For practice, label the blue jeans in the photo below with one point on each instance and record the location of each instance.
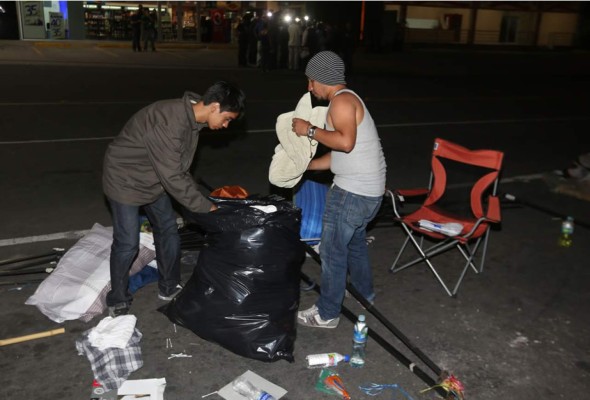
(343, 248)
(126, 246)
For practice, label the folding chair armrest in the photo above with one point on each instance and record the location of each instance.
(493, 214)
(398, 196)
(468, 235)
(477, 224)
(412, 192)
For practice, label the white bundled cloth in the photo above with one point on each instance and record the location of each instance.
(293, 154)
(112, 332)
(78, 287)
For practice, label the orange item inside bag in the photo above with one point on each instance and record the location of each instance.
(231, 191)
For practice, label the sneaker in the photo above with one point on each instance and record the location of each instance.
(311, 317)
(118, 309)
(172, 295)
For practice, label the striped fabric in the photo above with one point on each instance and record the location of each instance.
(326, 67)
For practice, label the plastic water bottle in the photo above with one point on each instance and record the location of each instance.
(567, 231)
(359, 342)
(325, 360)
(244, 387)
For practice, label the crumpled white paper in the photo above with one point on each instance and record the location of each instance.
(113, 332)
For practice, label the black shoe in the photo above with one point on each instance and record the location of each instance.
(118, 309)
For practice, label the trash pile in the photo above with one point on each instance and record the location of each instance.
(243, 295)
(574, 180)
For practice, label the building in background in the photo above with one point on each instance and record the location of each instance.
(378, 25)
(508, 23)
(196, 21)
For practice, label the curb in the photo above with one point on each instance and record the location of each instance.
(126, 44)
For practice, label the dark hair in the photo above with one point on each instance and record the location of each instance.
(229, 97)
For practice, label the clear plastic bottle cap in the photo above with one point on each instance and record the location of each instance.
(361, 317)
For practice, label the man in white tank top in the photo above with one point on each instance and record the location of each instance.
(354, 199)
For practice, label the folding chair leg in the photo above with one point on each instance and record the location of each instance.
(434, 250)
(438, 276)
(468, 254)
(392, 268)
(426, 260)
(469, 257)
(467, 265)
(429, 253)
(485, 249)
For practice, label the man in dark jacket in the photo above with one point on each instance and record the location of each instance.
(146, 165)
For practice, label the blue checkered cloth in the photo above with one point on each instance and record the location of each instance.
(112, 366)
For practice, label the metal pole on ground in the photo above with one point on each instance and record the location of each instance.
(517, 200)
(384, 343)
(373, 310)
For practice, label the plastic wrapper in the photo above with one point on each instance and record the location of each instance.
(244, 292)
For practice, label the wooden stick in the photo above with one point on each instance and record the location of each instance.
(33, 336)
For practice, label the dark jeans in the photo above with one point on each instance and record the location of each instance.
(126, 245)
(343, 248)
(135, 41)
(149, 37)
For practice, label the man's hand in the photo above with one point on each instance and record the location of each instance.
(213, 207)
(300, 126)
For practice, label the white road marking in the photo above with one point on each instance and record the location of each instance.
(110, 53)
(400, 125)
(44, 238)
(81, 233)
(71, 103)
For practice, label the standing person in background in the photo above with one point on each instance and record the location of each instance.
(253, 42)
(321, 39)
(149, 21)
(312, 39)
(261, 24)
(243, 31)
(264, 40)
(305, 39)
(358, 164)
(147, 166)
(283, 46)
(294, 44)
(136, 29)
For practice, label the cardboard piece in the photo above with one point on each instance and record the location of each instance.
(228, 393)
(152, 387)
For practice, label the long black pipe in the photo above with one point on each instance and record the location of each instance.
(27, 272)
(373, 310)
(384, 343)
(518, 200)
(54, 253)
(23, 265)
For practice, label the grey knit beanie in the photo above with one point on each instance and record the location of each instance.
(326, 67)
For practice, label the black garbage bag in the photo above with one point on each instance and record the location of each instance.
(244, 292)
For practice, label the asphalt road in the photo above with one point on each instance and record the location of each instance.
(512, 330)
(57, 119)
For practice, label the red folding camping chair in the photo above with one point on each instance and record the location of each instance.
(452, 215)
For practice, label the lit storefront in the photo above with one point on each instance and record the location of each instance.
(185, 21)
(208, 21)
(43, 19)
